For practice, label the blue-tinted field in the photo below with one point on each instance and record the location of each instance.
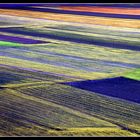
(119, 87)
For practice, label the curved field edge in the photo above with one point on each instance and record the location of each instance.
(91, 132)
(37, 131)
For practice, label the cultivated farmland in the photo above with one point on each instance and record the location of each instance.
(67, 71)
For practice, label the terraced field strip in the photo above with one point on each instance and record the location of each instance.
(132, 11)
(74, 18)
(78, 39)
(48, 68)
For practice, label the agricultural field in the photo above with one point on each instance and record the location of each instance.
(70, 70)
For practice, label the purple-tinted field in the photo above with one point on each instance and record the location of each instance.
(19, 40)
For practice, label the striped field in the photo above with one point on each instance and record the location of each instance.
(69, 70)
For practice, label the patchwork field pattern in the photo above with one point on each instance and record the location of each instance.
(69, 70)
